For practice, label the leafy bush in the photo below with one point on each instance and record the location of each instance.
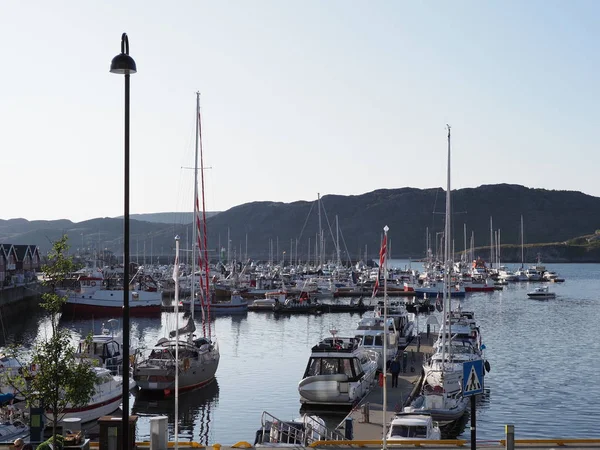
(47, 445)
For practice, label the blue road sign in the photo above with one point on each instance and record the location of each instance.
(472, 377)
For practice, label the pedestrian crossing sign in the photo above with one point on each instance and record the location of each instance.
(472, 377)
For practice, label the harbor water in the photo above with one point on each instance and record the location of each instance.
(544, 356)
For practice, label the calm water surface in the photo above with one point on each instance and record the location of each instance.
(544, 355)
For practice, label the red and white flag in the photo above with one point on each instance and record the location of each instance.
(382, 255)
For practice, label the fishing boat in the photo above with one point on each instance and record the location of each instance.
(96, 295)
(541, 292)
(339, 372)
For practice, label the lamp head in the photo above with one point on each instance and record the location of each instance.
(123, 64)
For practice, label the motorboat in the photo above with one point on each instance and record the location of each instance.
(339, 372)
(235, 305)
(96, 295)
(270, 299)
(104, 348)
(449, 359)
(197, 364)
(13, 424)
(299, 432)
(107, 397)
(541, 292)
(445, 403)
(371, 331)
(413, 426)
(302, 305)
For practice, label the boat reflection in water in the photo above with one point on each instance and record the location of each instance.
(195, 412)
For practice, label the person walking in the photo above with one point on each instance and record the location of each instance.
(395, 370)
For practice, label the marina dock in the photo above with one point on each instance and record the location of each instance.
(368, 416)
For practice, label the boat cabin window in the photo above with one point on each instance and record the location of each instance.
(333, 366)
(409, 431)
(161, 353)
(112, 349)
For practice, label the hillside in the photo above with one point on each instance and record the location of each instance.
(272, 228)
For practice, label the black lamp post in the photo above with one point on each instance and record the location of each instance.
(123, 64)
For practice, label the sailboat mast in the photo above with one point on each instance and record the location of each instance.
(195, 224)
(206, 265)
(385, 331)
(491, 243)
(522, 259)
(176, 279)
(446, 294)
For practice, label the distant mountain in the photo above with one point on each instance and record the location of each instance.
(169, 217)
(268, 229)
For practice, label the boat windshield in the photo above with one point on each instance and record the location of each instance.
(329, 366)
(408, 431)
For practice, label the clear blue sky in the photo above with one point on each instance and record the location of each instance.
(298, 97)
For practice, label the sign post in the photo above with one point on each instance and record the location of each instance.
(472, 385)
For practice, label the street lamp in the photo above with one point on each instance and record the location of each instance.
(123, 64)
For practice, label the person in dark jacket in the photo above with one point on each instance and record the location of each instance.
(395, 370)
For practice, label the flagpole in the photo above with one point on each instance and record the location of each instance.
(385, 334)
(176, 279)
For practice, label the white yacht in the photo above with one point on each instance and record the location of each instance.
(413, 426)
(371, 331)
(339, 372)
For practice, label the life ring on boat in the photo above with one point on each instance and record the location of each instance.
(93, 283)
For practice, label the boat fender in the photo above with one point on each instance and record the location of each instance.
(412, 369)
(186, 363)
(487, 366)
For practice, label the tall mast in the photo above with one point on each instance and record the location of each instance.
(195, 225)
(176, 279)
(320, 237)
(383, 254)
(446, 294)
(206, 266)
(522, 260)
(491, 243)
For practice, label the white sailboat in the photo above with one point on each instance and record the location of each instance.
(183, 361)
(444, 402)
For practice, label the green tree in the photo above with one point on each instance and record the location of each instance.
(60, 379)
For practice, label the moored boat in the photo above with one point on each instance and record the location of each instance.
(413, 426)
(339, 372)
(95, 295)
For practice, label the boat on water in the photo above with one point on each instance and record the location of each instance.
(235, 304)
(371, 333)
(107, 397)
(13, 424)
(541, 292)
(104, 348)
(413, 426)
(183, 361)
(96, 295)
(339, 372)
(196, 366)
(300, 432)
(443, 399)
(302, 305)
